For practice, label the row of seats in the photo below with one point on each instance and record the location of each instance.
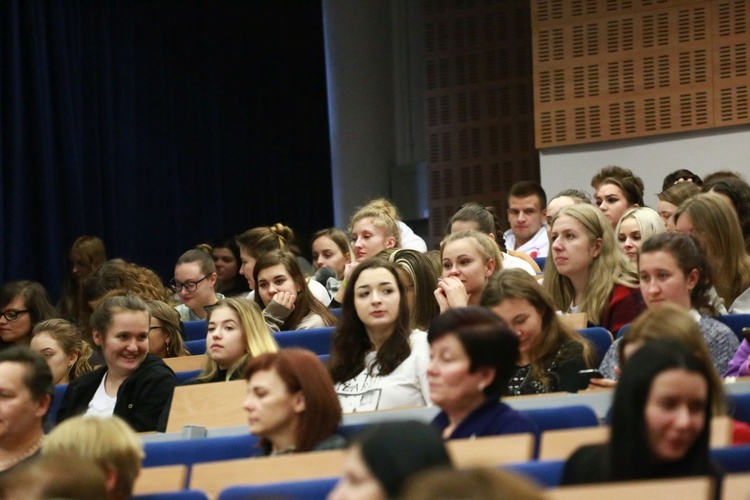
(314, 474)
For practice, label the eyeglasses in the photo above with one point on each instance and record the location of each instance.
(190, 286)
(12, 314)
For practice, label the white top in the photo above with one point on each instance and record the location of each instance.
(409, 238)
(538, 246)
(405, 387)
(741, 304)
(512, 262)
(318, 291)
(102, 404)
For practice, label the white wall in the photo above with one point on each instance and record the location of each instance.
(652, 159)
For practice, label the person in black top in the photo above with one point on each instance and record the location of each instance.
(661, 417)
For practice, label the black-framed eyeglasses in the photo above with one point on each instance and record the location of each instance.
(190, 286)
(12, 314)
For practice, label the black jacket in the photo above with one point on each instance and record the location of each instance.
(140, 398)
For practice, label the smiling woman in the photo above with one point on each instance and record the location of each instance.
(133, 384)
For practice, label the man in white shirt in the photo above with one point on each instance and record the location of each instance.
(525, 214)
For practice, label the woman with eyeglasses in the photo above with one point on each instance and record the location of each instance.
(194, 281)
(23, 304)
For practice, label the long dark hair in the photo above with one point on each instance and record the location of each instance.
(305, 303)
(351, 343)
(630, 454)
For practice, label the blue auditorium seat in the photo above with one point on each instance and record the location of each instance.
(736, 322)
(173, 495)
(548, 473)
(739, 407)
(196, 346)
(540, 261)
(194, 330)
(622, 331)
(336, 311)
(183, 376)
(599, 337)
(564, 417)
(191, 451)
(54, 407)
(297, 490)
(733, 458)
(318, 340)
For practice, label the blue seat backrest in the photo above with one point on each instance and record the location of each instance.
(336, 311)
(196, 346)
(540, 261)
(194, 330)
(297, 490)
(733, 458)
(599, 337)
(318, 340)
(622, 331)
(190, 451)
(183, 376)
(739, 407)
(547, 473)
(563, 417)
(173, 495)
(57, 398)
(736, 322)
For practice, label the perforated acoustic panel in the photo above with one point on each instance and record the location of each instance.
(479, 121)
(610, 69)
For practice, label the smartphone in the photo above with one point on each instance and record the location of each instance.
(746, 333)
(587, 375)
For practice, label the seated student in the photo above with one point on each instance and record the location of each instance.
(661, 418)
(229, 281)
(681, 176)
(407, 237)
(673, 270)
(133, 384)
(376, 361)
(194, 281)
(236, 333)
(23, 304)
(383, 458)
(331, 249)
(26, 386)
(256, 241)
(471, 484)
(469, 260)
(671, 198)
(587, 273)
(473, 216)
(291, 404)
(61, 344)
(550, 352)
(634, 227)
(472, 355)
(165, 334)
(87, 254)
(711, 220)
(737, 192)
(108, 442)
(565, 198)
(418, 277)
(282, 293)
(527, 203)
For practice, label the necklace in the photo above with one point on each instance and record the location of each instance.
(6, 464)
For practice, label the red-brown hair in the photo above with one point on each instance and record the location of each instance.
(301, 370)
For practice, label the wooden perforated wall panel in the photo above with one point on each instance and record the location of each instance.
(613, 69)
(479, 113)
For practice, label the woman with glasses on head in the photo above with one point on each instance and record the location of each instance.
(23, 304)
(194, 281)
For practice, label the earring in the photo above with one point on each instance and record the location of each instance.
(481, 386)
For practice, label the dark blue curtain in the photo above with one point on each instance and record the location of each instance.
(157, 125)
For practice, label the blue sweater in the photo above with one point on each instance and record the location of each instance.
(491, 418)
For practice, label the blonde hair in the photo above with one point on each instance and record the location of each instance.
(487, 246)
(258, 339)
(110, 442)
(648, 220)
(611, 267)
(718, 230)
(70, 340)
(260, 240)
(670, 321)
(383, 214)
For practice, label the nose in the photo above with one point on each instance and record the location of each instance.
(358, 243)
(375, 298)
(249, 403)
(133, 345)
(521, 216)
(319, 262)
(557, 244)
(682, 417)
(431, 368)
(453, 271)
(628, 243)
(216, 334)
(183, 291)
(272, 290)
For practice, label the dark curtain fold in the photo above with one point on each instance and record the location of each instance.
(157, 125)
